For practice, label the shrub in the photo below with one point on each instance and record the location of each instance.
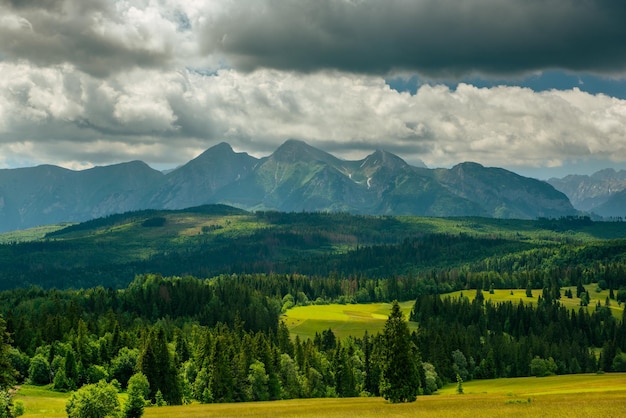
(93, 401)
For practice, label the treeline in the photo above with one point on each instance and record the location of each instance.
(220, 340)
(484, 340)
(36, 316)
(213, 340)
(433, 263)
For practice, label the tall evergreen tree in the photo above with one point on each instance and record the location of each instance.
(7, 373)
(400, 374)
(156, 363)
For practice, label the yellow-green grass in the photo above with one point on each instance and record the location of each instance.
(31, 234)
(586, 395)
(40, 401)
(355, 319)
(344, 320)
(515, 295)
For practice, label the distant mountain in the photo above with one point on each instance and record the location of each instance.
(196, 182)
(614, 207)
(296, 177)
(48, 194)
(504, 194)
(599, 193)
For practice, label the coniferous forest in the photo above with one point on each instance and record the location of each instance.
(200, 318)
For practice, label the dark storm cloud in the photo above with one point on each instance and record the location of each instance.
(440, 38)
(87, 34)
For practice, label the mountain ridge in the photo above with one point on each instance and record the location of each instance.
(295, 177)
(601, 193)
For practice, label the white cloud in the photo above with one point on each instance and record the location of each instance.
(166, 118)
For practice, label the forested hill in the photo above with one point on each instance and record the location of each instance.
(296, 177)
(193, 299)
(421, 254)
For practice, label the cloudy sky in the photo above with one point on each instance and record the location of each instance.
(535, 86)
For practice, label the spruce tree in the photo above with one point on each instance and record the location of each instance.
(156, 363)
(400, 374)
(7, 373)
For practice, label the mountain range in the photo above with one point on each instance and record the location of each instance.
(296, 177)
(602, 193)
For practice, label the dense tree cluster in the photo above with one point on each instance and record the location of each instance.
(220, 340)
(183, 360)
(485, 340)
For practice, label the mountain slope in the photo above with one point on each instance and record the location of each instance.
(504, 194)
(614, 206)
(591, 193)
(196, 182)
(49, 194)
(295, 178)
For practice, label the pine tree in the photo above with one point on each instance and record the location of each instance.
(7, 373)
(155, 361)
(400, 374)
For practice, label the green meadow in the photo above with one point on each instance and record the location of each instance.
(354, 319)
(344, 319)
(584, 395)
(516, 295)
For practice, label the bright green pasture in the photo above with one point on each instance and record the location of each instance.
(586, 395)
(344, 320)
(39, 401)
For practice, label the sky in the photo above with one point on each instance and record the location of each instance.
(535, 86)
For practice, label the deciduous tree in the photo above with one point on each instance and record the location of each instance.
(93, 401)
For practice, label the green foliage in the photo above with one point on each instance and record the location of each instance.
(123, 365)
(459, 384)
(459, 366)
(400, 373)
(619, 362)
(7, 372)
(221, 340)
(431, 379)
(258, 380)
(61, 382)
(20, 362)
(157, 221)
(159, 400)
(39, 370)
(96, 373)
(109, 251)
(5, 404)
(542, 367)
(138, 390)
(156, 363)
(93, 401)
(18, 408)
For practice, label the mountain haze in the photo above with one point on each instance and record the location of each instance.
(601, 193)
(296, 177)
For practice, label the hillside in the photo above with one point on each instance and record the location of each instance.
(215, 239)
(295, 178)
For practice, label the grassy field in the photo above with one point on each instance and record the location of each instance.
(355, 319)
(587, 395)
(515, 295)
(344, 320)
